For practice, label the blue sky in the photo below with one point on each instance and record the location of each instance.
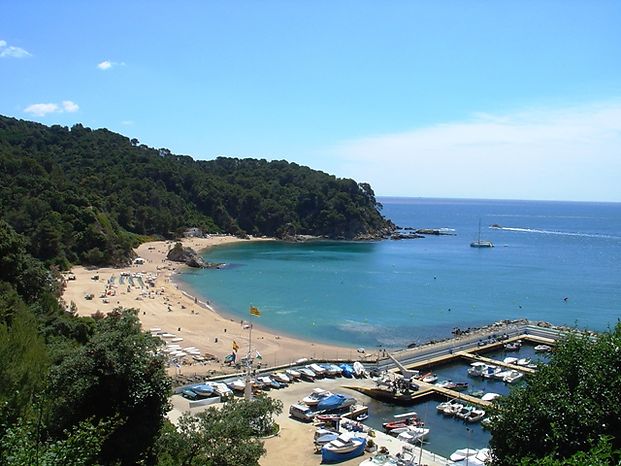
(513, 99)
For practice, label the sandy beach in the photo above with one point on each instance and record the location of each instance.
(166, 307)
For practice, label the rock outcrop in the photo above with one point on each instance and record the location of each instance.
(186, 255)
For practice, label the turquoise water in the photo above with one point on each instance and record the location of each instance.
(392, 293)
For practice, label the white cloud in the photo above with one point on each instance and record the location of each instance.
(107, 64)
(70, 106)
(10, 51)
(127, 122)
(43, 109)
(571, 153)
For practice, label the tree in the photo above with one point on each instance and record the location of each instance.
(566, 406)
(220, 437)
(116, 374)
(22, 446)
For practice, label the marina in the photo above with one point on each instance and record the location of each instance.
(438, 434)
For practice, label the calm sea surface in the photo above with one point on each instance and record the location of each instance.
(391, 293)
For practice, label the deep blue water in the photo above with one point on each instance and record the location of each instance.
(391, 293)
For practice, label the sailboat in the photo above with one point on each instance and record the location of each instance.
(479, 243)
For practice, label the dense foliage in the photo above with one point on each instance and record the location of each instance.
(220, 437)
(77, 391)
(568, 406)
(88, 196)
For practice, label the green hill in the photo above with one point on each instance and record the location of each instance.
(82, 195)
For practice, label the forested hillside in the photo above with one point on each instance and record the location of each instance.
(82, 195)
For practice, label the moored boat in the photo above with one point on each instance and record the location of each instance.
(345, 447)
(475, 415)
(414, 434)
(543, 348)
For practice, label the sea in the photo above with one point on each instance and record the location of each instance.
(558, 262)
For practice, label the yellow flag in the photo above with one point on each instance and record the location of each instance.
(254, 311)
(235, 346)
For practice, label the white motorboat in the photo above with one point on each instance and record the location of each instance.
(476, 369)
(316, 396)
(431, 378)
(281, 377)
(523, 362)
(510, 360)
(317, 369)
(543, 348)
(237, 385)
(462, 454)
(475, 415)
(414, 434)
(490, 396)
(359, 370)
(512, 376)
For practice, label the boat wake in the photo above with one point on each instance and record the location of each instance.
(555, 232)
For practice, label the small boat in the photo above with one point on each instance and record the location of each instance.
(479, 243)
(430, 378)
(316, 396)
(510, 360)
(336, 370)
(347, 370)
(476, 369)
(475, 415)
(414, 434)
(221, 389)
(293, 374)
(327, 417)
(411, 420)
(451, 408)
(345, 447)
(460, 386)
(326, 437)
(237, 385)
(189, 394)
(543, 348)
(490, 396)
(307, 374)
(462, 454)
(515, 346)
(524, 362)
(464, 412)
(490, 372)
(317, 369)
(335, 402)
(202, 390)
(512, 376)
(477, 393)
(281, 377)
(359, 370)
